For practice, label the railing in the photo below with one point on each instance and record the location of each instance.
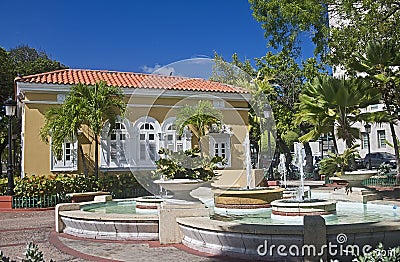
(38, 201)
(381, 182)
(52, 200)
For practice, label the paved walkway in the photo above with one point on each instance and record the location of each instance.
(17, 228)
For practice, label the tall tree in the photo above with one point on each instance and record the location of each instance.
(85, 105)
(280, 79)
(19, 61)
(286, 79)
(333, 105)
(27, 61)
(379, 63)
(337, 28)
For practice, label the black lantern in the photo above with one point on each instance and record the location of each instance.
(10, 106)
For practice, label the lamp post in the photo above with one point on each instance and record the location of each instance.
(11, 107)
(320, 141)
(367, 127)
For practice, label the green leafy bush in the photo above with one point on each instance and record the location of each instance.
(186, 164)
(119, 185)
(380, 254)
(54, 184)
(32, 254)
(3, 186)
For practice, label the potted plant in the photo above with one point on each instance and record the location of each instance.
(183, 171)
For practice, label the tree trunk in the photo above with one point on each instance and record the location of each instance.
(200, 147)
(335, 143)
(309, 159)
(96, 157)
(85, 169)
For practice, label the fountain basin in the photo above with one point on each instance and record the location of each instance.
(76, 219)
(260, 242)
(355, 178)
(310, 207)
(110, 226)
(246, 198)
(148, 203)
(292, 192)
(181, 188)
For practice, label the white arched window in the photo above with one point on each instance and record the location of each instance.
(173, 141)
(114, 144)
(146, 140)
(118, 138)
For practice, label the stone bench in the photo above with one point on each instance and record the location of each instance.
(85, 197)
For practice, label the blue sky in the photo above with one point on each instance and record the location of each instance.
(134, 36)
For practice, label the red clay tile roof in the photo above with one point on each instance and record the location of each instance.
(128, 80)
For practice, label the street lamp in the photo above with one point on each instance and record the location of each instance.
(367, 127)
(11, 107)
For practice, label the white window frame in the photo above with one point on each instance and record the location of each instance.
(69, 150)
(177, 143)
(148, 142)
(137, 143)
(122, 145)
(121, 135)
(216, 141)
(381, 136)
(364, 140)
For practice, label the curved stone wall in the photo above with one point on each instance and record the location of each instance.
(286, 242)
(110, 226)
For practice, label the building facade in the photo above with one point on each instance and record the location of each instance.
(148, 125)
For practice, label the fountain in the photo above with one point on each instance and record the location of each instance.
(301, 206)
(250, 196)
(245, 236)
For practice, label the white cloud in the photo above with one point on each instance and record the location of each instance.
(149, 69)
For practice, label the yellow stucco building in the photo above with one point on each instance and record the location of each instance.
(152, 104)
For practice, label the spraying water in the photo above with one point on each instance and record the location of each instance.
(299, 162)
(246, 147)
(282, 168)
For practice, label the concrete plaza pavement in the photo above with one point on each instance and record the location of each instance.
(19, 227)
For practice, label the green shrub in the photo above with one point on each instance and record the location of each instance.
(3, 186)
(121, 185)
(186, 164)
(32, 254)
(380, 254)
(54, 184)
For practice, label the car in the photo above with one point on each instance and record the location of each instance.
(377, 158)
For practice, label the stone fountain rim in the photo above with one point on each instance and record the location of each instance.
(236, 191)
(291, 202)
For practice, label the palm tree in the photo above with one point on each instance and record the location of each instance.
(380, 64)
(198, 119)
(337, 163)
(332, 105)
(85, 105)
